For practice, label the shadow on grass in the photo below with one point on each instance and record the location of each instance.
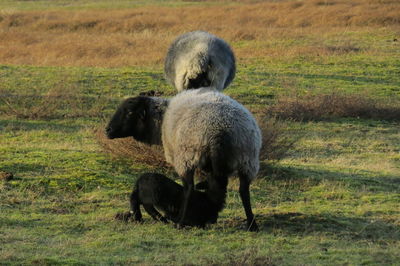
(19, 168)
(22, 222)
(47, 180)
(351, 227)
(68, 225)
(26, 125)
(361, 180)
(362, 79)
(296, 223)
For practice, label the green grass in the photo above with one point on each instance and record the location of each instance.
(333, 200)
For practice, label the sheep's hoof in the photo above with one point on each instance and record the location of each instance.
(252, 227)
(123, 216)
(181, 226)
(163, 219)
(201, 226)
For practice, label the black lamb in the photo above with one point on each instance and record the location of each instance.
(157, 193)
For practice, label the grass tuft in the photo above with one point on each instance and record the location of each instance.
(276, 142)
(334, 105)
(134, 151)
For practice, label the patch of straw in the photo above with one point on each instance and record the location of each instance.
(135, 151)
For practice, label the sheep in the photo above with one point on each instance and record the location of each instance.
(199, 59)
(157, 192)
(200, 129)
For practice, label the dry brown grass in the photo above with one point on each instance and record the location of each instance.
(132, 150)
(140, 36)
(334, 105)
(276, 142)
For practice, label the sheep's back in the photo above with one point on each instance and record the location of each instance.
(194, 122)
(196, 52)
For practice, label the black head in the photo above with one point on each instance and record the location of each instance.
(203, 210)
(130, 119)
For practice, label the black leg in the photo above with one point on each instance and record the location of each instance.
(135, 206)
(245, 196)
(154, 213)
(188, 187)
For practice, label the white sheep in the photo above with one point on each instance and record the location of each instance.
(199, 59)
(201, 129)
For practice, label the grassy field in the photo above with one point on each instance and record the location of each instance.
(335, 197)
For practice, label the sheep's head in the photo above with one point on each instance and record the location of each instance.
(131, 119)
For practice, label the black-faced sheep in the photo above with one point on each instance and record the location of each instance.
(200, 129)
(155, 192)
(199, 59)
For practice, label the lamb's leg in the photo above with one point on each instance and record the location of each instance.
(154, 213)
(135, 206)
(245, 196)
(188, 187)
(135, 209)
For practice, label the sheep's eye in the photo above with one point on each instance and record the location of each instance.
(127, 113)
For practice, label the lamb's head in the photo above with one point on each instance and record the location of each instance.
(131, 119)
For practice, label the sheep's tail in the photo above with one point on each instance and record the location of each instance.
(197, 71)
(205, 70)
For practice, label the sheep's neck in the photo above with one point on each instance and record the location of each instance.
(158, 110)
(154, 137)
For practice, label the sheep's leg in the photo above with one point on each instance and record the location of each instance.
(154, 213)
(188, 187)
(202, 185)
(135, 206)
(245, 196)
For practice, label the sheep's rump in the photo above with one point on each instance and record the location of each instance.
(199, 59)
(200, 122)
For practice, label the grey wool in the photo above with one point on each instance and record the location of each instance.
(193, 124)
(199, 59)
